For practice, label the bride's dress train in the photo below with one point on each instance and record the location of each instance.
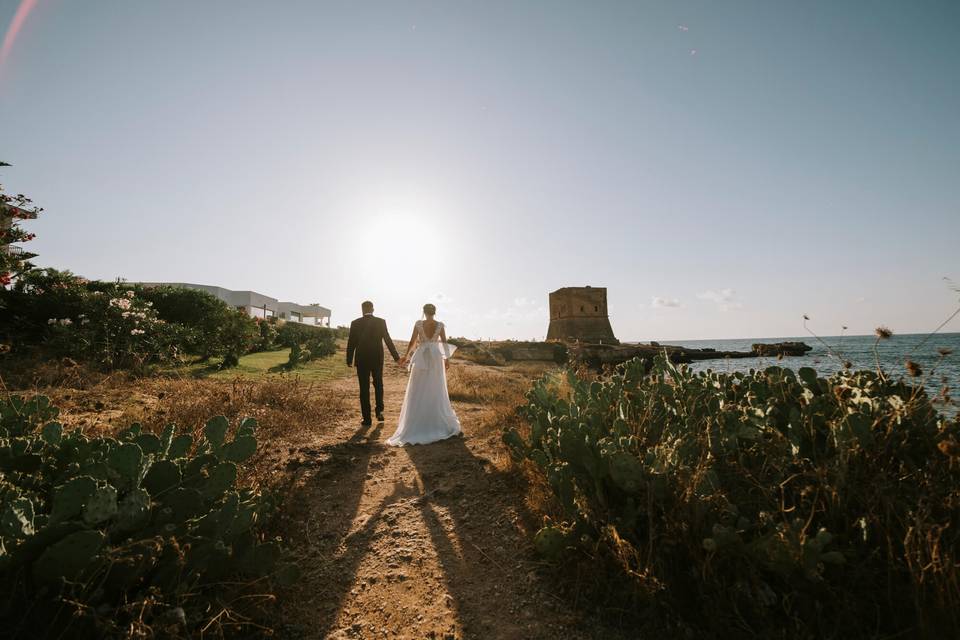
(427, 415)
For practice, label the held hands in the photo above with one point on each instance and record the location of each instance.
(402, 361)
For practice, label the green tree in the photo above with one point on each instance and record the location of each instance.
(14, 261)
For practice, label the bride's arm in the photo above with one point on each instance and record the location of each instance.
(410, 346)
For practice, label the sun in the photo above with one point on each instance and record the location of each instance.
(400, 243)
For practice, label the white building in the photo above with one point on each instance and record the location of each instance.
(259, 305)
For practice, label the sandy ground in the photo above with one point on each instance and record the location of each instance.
(427, 541)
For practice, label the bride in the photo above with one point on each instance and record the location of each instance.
(426, 415)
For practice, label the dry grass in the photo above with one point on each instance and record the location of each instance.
(501, 391)
(484, 385)
(285, 407)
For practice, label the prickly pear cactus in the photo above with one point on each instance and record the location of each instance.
(675, 473)
(102, 520)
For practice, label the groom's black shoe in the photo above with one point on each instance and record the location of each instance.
(379, 416)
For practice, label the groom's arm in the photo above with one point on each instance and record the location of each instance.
(351, 343)
(386, 338)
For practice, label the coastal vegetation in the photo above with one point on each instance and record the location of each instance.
(771, 503)
(105, 536)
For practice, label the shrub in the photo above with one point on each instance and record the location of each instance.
(306, 342)
(37, 296)
(289, 333)
(268, 335)
(237, 337)
(120, 536)
(771, 503)
(201, 314)
(106, 326)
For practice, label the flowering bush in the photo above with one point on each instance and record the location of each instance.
(114, 332)
(13, 209)
(201, 315)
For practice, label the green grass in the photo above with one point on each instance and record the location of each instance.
(267, 363)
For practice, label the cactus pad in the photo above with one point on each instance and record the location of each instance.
(69, 557)
(149, 443)
(125, 460)
(101, 506)
(215, 431)
(626, 471)
(550, 542)
(69, 498)
(179, 446)
(248, 427)
(52, 433)
(222, 478)
(240, 449)
(133, 511)
(162, 476)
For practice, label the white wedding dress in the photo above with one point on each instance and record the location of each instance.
(427, 415)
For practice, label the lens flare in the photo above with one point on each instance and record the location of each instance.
(19, 18)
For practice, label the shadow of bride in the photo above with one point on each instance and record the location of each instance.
(328, 526)
(471, 516)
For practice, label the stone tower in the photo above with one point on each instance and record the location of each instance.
(580, 313)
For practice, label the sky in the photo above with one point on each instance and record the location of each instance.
(722, 167)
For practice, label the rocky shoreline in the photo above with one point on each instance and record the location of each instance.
(599, 355)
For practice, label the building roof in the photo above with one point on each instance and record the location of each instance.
(248, 296)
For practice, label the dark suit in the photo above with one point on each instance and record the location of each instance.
(365, 347)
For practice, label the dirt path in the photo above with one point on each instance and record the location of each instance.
(415, 542)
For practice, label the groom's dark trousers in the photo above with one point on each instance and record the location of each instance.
(365, 348)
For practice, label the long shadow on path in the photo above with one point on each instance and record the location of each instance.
(327, 505)
(470, 514)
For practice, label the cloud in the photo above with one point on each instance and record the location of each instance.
(658, 302)
(724, 298)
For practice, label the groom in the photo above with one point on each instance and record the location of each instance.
(367, 335)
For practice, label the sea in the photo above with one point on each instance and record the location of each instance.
(830, 352)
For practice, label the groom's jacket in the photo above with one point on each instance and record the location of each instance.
(365, 344)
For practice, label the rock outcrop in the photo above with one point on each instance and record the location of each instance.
(499, 353)
(599, 355)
